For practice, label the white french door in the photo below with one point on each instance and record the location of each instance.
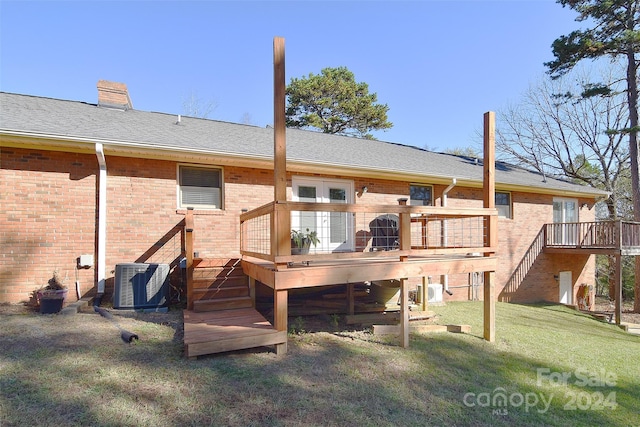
(334, 229)
(565, 212)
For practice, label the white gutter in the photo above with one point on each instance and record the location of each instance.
(118, 147)
(102, 219)
(446, 191)
(445, 278)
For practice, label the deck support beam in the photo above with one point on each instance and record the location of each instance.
(404, 313)
(424, 294)
(280, 314)
(489, 306)
(491, 236)
(618, 284)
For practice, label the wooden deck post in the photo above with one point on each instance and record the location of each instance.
(405, 228)
(351, 300)
(404, 313)
(405, 244)
(281, 219)
(618, 283)
(279, 122)
(280, 314)
(491, 237)
(424, 294)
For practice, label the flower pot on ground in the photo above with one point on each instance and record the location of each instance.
(301, 241)
(51, 297)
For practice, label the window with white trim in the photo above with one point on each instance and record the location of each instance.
(503, 204)
(420, 195)
(199, 187)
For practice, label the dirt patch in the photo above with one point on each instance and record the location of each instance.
(603, 305)
(121, 318)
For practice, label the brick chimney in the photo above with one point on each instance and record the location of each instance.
(113, 95)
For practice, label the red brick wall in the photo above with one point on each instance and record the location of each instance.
(48, 219)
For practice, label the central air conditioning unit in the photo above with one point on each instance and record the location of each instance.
(139, 285)
(434, 292)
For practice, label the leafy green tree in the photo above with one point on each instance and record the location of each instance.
(615, 33)
(334, 103)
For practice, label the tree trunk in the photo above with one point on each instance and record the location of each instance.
(632, 99)
(611, 271)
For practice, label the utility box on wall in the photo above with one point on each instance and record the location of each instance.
(141, 286)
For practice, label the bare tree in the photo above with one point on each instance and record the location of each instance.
(194, 106)
(246, 119)
(560, 133)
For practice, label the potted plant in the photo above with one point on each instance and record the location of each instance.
(51, 297)
(301, 241)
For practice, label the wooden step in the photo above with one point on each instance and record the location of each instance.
(217, 262)
(221, 293)
(216, 272)
(205, 276)
(216, 283)
(222, 304)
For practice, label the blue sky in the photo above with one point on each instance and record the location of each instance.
(439, 65)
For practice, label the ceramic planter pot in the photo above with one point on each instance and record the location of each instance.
(51, 301)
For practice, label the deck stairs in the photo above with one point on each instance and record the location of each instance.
(220, 284)
(223, 316)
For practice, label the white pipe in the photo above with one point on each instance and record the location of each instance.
(445, 278)
(446, 191)
(102, 219)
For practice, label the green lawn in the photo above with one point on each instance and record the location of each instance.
(550, 365)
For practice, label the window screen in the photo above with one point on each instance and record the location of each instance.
(503, 204)
(420, 195)
(200, 187)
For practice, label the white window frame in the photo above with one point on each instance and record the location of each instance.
(220, 189)
(501, 208)
(430, 187)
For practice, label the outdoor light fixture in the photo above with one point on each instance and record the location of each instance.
(365, 189)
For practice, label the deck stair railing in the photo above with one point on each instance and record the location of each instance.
(213, 283)
(525, 265)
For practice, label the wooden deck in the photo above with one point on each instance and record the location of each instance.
(227, 330)
(265, 246)
(322, 273)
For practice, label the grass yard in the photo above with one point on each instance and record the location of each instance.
(550, 365)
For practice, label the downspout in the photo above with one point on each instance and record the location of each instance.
(445, 278)
(102, 220)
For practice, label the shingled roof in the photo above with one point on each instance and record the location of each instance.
(80, 121)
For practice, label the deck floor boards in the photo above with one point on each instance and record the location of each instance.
(227, 330)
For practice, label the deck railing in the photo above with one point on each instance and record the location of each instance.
(593, 235)
(362, 231)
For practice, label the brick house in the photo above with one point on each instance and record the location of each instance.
(114, 183)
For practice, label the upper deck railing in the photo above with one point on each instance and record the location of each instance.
(363, 231)
(622, 235)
